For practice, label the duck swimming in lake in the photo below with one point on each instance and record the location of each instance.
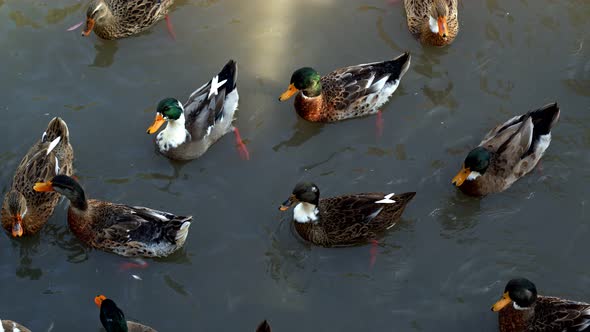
(125, 230)
(522, 310)
(343, 220)
(205, 117)
(113, 318)
(507, 152)
(114, 19)
(25, 211)
(347, 92)
(435, 22)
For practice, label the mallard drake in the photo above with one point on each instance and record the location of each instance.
(347, 92)
(113, 19)
(125, 230)
(25, 211)
(521, 310)
(343, 220)
(113, 318)
(263, 327)
(435, 22)
(205, 117)
(507, 152)
(11, 326)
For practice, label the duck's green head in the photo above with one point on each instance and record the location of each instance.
(475, 165)
(111, 317)
(306, 80)
(521, 291)
(169, 109)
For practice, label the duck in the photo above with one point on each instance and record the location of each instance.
(507, 152)
(434, 22)
(113, 318)
(343, 220)
(206, 117)
(263, 327)
(114, 19)
(25, 211)
(520, 309)
(129, 231)
(345, 93)
(12, 326)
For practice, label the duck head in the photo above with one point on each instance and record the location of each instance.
(521, 292)
(475, 165)
(17, 208)
(306, 80)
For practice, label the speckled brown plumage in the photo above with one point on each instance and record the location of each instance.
(547, 314)
(38, 166)
(352, 219)
(353, 91)
(11, 326)
(418, 12)
(125, 230)
(123, 18)
(515, 147)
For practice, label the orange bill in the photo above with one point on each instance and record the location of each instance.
(43, 186)
(98, 300)
(158, 122)
(288, 203)
(442, 27)
(502, 303)
(89, 26)
(289, 93)
(461, 176)
(17, 227)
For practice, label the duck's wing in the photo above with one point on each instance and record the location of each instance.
(355, 209)
(123, 224)
(350, 85)
(139, 11)
(207, 105)
(555, 314)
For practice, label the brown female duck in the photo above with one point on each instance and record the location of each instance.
(125, 230)
(113, 318)
(522, 310)
(25, 211)
(113, 19)
(11, 326)
(343, 220)
(347, 92)
(435, 22)
(507, 152)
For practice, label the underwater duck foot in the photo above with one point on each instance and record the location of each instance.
(379, 124)
(136, 264)
(373, 252)
(170, 28)
(242, 150)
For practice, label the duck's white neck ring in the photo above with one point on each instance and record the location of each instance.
(305, 212)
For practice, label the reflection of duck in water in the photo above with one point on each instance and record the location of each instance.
(113, 318)
(343, 220)
(113, 19)
(25, 211)
(121, 229)
(507, 152)
(433, 21)
(521, 310)
(347, 92)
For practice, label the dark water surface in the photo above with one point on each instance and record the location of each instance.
(440, 269)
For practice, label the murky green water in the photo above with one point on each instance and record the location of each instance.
(440, 269)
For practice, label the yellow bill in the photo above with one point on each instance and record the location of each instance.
(292, 90)
(158, 122)
(461, 176)
(502, 303)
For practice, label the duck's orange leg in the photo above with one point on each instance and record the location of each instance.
(136, 264)
(374, 251)
(170, 27)
(242, 150)
(379, 123)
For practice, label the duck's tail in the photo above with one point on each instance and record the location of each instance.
(398, 66)
(263, 327)
(57, 131)
(182, 231)
(544, 119)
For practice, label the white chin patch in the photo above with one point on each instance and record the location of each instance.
(473, 175)
(433, 24)
(305, 212)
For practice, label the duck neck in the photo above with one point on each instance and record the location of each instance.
(306, 212)
(77, 198)
(174, 134)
